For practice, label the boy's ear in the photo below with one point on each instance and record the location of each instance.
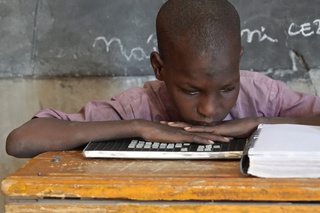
(157, 65)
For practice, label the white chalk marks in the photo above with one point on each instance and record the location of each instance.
(305, 29)
(260, 34)
(140, 54)
(136, 53)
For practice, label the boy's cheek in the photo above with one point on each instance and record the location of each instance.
(187, 111)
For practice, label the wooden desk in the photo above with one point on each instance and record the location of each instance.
(66, 182)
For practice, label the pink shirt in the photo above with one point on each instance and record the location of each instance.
(259, 96)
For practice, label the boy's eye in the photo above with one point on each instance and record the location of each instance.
(227, 89)
(191, 92)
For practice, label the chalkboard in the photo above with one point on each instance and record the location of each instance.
(50, 38)
(275, 32)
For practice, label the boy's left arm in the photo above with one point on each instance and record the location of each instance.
(244, 127)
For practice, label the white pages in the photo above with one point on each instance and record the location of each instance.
(283, 151)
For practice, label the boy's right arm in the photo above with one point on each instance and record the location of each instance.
(50, 134)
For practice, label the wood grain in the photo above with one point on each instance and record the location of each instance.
(70, 175)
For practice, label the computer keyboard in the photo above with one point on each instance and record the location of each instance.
(138, 148)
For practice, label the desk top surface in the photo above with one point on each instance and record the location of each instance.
(69, 174)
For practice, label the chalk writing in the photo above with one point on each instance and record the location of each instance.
(262, 36)
(305, 29)
(136, 53)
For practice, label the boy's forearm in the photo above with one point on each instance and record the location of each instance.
(50, 134)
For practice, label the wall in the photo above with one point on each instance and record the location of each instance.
(114, 38)
(61, 54)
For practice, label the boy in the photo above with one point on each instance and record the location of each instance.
(200, 96)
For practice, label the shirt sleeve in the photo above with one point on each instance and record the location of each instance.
(135, 103)
(93, 111)
(261, 96)
(121, 107)
(285, 102)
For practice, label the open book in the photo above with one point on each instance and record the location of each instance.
(283, 151)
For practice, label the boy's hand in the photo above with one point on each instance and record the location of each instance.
(151, 131)
(239, 128)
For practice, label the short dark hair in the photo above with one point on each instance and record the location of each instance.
(206, 23)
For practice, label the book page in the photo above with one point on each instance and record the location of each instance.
(287, 138)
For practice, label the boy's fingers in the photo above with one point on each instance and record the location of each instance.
(209, 133)
(209, 129)
(164, 122)
(198, 139)
(178, 124)
(206, 141)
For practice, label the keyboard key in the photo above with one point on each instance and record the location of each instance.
(147, 145)
(163, 146)
(200, 148)
(208, 149)
(216, 147)
(155, 145)
(178, 145)
(170, 146)
(133, 144)
(139, 145)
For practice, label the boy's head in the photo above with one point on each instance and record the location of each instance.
(199, 54)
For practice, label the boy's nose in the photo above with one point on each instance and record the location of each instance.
(208, 107)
